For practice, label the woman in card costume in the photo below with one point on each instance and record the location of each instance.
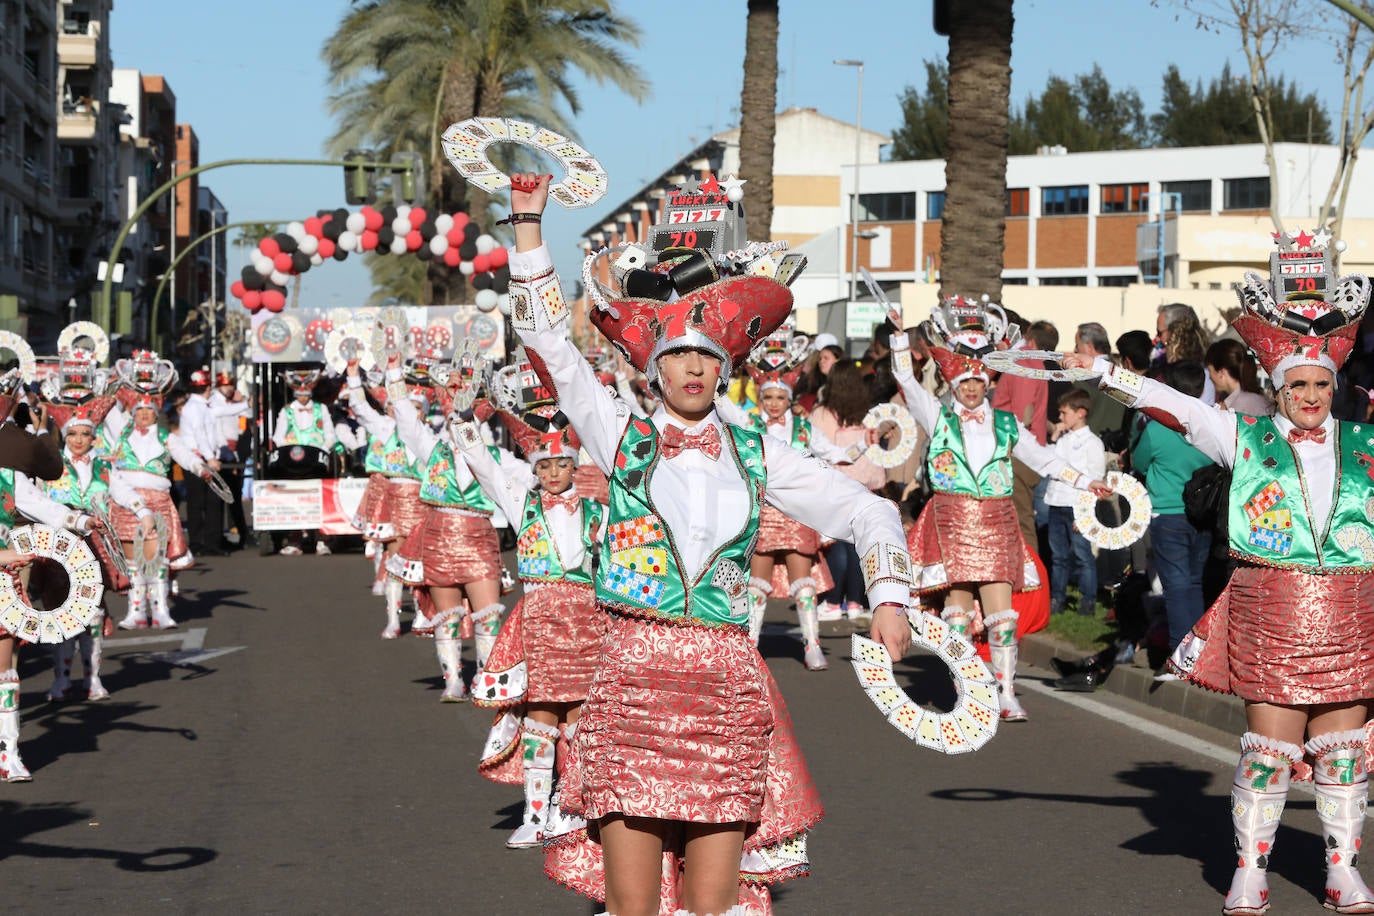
(967, 542)
(453, 551)
(787, 558)
(142, 453)
(684, 753)
(547, 650)
(77, 403)
(1293, 633)
(391, 506)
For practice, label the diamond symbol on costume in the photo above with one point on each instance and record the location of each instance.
(732, 182)
(1303, 239)
(710, 185)
(1321, 238)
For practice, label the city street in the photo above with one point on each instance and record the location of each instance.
(274, 756)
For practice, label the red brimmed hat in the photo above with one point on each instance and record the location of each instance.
(542, 433)
(961, 330)
(1302, 316)
(76, 394)
(778, 359)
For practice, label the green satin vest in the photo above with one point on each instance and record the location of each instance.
(1270, 516)
(801, 430)
(67, 488)
(314, 436)
(947, 467)
(388, 457)
(641, 572)
(536, 553)
(439, 483)
(9, 511)
(125, 459)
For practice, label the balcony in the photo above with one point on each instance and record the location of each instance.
(79, 120)
(78, 44)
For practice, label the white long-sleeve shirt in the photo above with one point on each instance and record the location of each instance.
(705, 503)
(1079, 448)
(420, 440)
(33, 503)
(146, 446)
(305, 420)
(199, 429)
(227, 413)
(819, 445)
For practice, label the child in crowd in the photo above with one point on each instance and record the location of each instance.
(1070, 552)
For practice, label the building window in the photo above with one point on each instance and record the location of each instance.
(1246, 194)
(1124, 198)
(1015, 281)
(887, 207)
(935, 205)
(1066, 201)
(1194, 195)
(1117, 280)
(1063, 281)
(1018, 201)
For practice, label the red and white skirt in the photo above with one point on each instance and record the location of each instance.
(448, 549)
(779, 534)
(1285, 636)
(159, 501)
(960, 539)
(373, 517)
(404, 509)
(685, 723)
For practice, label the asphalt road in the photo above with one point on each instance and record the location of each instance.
(310, 769)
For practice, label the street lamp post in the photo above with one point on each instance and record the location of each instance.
(854, 203)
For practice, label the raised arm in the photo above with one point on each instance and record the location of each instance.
(508, 490)
(410, 426)
(924, 407)
(378, 425)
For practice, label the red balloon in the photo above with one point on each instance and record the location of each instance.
(452, 258)
(417, 216)
(327, 248)
(252, 300)
(273, 300)
(283, 262)
(481, 264)
(461, 219)
(499, 257)
(373, 218)
(314, 226)
(236, 289)
(455, 238)
(269, 247)
(369, 238)
(414, 240)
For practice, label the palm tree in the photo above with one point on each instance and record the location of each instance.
(404, 70)
(758, 107)
(974, 226)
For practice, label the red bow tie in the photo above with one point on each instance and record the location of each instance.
(568, 499)
(971, 416)
(675, 440)
(1317, 435)
(778, 421)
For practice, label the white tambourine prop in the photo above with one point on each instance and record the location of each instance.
(28, 363)
(87, 336)
(1037, 364)
(220, 487)
(965, 728)
(906, 425)
(347, 342)
(1114, 537)
(584, 181)
(390, 334)
(84, 592)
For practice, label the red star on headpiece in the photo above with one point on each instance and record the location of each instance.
(1303, 239)
(710, 185)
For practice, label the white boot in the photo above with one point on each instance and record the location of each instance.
(539, 744)
(1342, 790)
(92, 644)
(1258, 791)
(377, 555)
(62, 654)
(759, 590)
(12, 767)
(158, 604)
(486, 626)
(804, 591)
(393, 591)
(449, 651)
(958, 619)
(138, 602)
(1002, 646)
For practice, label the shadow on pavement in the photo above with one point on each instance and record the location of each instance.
(75, 728)
(23, 821)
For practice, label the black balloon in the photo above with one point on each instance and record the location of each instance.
(340, 254)
(286, 242)
(332, 228)
(341, 217)
(424, 253)
(300, 261)
(468, 250)
(389, 214)
(385, 236)
(501, 284)
(427, 229)
(503, 272)
(470, 233)
(252, 279)
(481, 281)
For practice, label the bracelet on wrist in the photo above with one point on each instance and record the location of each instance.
(517, 218)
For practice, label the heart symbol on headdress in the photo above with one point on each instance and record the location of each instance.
(729, 309)
(632, 334)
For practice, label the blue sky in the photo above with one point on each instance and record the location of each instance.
(248, 77)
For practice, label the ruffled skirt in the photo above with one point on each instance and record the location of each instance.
(159, 501)
(779, 534)
(404, 509)
(448, 549)
(555, 633)
(961, 539)
(373, 517)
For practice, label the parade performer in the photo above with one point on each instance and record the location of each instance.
(684, 745)
(22, 454)
(77, 404)
(390, 507)
(304, 421)
(1293, 632)
(142, 454)
(546, 652)
(967, 542)
(453, 551)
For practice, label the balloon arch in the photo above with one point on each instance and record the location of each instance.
(453, 238)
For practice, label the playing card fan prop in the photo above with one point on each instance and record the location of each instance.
(452, 238)
(467, 144)
(84, 592)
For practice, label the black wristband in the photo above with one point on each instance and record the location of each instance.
(516, 218)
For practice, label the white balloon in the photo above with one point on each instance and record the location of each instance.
(356, 223)
(263, 264)
(503, 303)
(485, 244)
(486, 299)
(403, 212)
(280, 278)
(465, 268)
(438, 244)
(443, 223)
(316, 260)
(295, 229)
(308, 244)
(400, 225)
(735, 195)
(398, 245)
(348, 240)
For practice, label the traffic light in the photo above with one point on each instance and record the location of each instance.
(408, 187)
(360, 179)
